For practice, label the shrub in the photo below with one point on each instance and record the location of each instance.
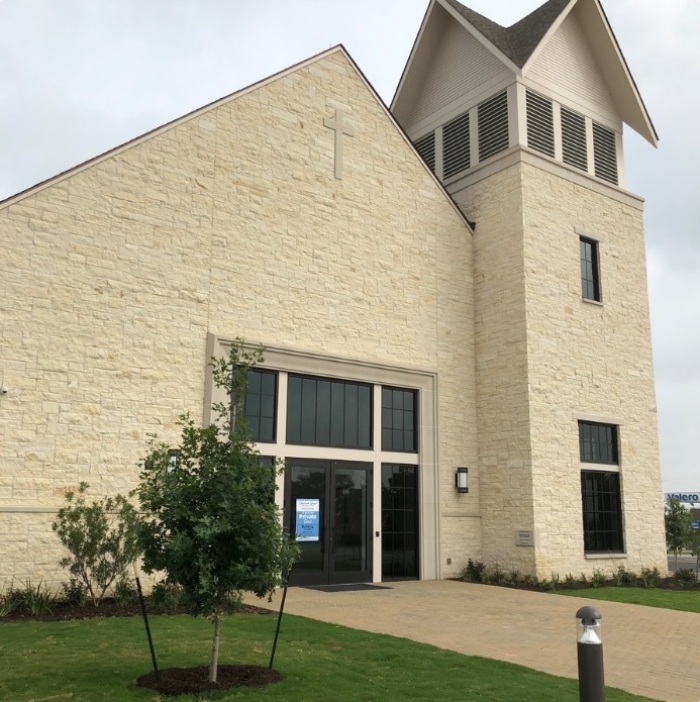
(474, 572)
(101, 538)
(618, 576)
(165, 598)
(11, 600)
(74, 592)
(598, 578)
(531, 580)
(125, 592)
(498, 576)
(37, 600)
(650, 578)
(686, 579)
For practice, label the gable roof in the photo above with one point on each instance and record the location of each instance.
(518, 41)
(516, 46)
(223, 100)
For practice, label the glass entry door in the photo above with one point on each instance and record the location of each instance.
(328, 506)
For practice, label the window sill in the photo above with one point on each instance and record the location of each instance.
(601, 556)
(595, 303)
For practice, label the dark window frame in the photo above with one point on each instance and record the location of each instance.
(601, 505)
(400, 519)
(389, 413)
(599, 443)
(295, 437)
(254, 426)
(589, 256)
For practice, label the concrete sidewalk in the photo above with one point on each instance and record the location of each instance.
(648, 651)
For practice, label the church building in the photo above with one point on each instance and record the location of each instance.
(451, 293)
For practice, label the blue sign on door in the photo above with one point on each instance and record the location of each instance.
(308, 520)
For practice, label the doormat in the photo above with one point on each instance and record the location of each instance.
(352, 587)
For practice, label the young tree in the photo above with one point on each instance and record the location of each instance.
(678, 526)
(694, 546)
(211, 522)
(102, 538)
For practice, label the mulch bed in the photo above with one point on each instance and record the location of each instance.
(182, 681)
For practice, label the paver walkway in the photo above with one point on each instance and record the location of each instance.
(648, 651)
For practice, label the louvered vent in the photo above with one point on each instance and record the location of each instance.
(540, 124)
(573, 137)
(456, 146)
(493, 126)
(425, 146)
(604, 153)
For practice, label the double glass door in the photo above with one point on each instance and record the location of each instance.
(328, 506)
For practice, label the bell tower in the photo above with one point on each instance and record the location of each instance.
(523, 126)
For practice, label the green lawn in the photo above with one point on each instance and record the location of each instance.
(687, 601)
(88, 661)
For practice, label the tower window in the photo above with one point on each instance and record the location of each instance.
(602, 512)
(604, 153)
(600, 489)
(573, 136)
(598, 443)
(456, 146)
(540, 123)
(425, 146)
(590, 274)
(493, 126)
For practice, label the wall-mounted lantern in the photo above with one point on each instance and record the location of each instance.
(462, 480)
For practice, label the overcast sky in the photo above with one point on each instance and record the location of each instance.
(78, 77)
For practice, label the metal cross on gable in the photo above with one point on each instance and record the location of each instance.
(340, 126)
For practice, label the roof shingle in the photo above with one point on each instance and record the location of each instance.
(519, 40)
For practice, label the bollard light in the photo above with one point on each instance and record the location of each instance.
(589, 645)
(589, 626)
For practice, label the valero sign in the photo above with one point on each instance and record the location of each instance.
(688, 497)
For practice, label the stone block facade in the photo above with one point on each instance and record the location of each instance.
(120, 277)
(227, 222)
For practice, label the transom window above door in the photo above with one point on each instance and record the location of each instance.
(331, 412)
(327, 412)
(399, 416)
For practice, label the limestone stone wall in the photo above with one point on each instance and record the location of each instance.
(589, 361)
(505, 463)
(546, 358)
(229, 222)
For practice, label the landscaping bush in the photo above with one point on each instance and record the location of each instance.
(102, 539)
(478, 572)
(474, 572)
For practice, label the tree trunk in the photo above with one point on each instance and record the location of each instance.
(214, 664)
